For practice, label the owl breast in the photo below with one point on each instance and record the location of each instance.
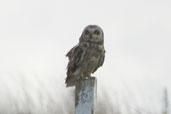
(90, 62)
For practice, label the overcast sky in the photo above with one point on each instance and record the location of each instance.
(35, 35)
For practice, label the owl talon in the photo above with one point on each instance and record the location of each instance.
(81, 77)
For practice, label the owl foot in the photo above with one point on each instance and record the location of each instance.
(82, 77)
(86, 77)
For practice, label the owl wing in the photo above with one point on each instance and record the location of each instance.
(75, 56)
(100, 61)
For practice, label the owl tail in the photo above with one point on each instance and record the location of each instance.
(70, 81)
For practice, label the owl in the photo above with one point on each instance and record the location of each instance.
(87, 56)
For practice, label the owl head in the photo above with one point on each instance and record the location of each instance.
(92, 34)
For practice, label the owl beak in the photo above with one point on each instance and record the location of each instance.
(91, 36)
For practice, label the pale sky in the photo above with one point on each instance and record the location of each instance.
(35, 35)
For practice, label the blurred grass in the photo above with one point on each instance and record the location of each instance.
(107, 105)
(47, 103)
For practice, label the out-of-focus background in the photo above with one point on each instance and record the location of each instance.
(35, 35)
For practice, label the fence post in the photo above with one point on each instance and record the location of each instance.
(85, 96)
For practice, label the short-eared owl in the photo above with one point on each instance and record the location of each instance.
(87, 56)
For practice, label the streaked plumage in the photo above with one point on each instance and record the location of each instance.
(87, 56)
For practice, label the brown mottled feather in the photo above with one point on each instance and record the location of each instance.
(76, 56)
(100, 63)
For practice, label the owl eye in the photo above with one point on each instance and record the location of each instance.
(87, 32)
(96, 32)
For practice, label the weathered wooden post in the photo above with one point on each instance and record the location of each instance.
(85, 96)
